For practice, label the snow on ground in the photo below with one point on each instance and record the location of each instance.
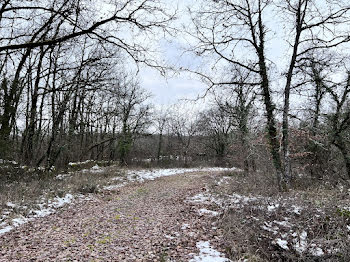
(114, 187)
(63, 176)
(44, 210)
(233, 200)
(224, 180)
(208, 254)
(204, 211)
(282, 243)
(151, 174)
(2, 161)
(9, 204)
(296, 209)
(316, 251)
(200, 198)
(185, 226)
(301, 241)
(132, 175)
(5, 229)
(284, 223)
(80, 163)
(95, 169)
(268, 226)
(142, 175)
(298, 240)
(272, 207)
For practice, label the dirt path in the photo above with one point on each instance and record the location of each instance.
(150, 221)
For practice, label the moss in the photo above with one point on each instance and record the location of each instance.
(105, 240)
(343, 212)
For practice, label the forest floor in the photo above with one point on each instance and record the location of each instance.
(142, 221)
(210, 214)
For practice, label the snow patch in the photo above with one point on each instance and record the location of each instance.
(236, 200)
(301, 242)
(42, 212)
(142, 175)
(269, 227)
(284, 223)
(114, 187)
(2, 161)
(80, 163)
(282, 243)
(208, 254)
(95, 170)
(204, 211)
(200, 198)
(272, 207)
(296, 209)
(118, 178)
(185, 226)
(169, 237)
(316, 251)
(223, 180)
(63, 176)
(5, 230)
(9, 204)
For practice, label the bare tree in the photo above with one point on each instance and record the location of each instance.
(340, 118)
(134, 114)
(315, 28)
(81, 18)
(315, 70)
(29, 28)
(230, 25)
(216, 125)
(183, 125)
(161, 120)
(227, 28)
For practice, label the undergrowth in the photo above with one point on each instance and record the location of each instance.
(310, 222)
(28, 187)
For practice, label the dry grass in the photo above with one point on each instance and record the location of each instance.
(25, 187)
(252, 228)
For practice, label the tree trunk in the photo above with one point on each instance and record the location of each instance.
(269, 106)
(160, 143)
(271, 125)
(346, 158)
(285, 123)
(28, 149)
(10, 103)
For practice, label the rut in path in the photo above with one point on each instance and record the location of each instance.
(140, 222)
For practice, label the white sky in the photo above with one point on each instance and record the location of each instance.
(169, 90)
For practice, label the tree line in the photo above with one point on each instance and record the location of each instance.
(64, 79)
(68, 90)
(239, 33)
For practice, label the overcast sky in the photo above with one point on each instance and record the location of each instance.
(182, 86)
(169, 90)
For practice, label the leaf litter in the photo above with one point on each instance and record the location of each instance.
(149, 221)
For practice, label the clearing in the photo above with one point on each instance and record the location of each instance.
(148, 221)
(209, 214)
